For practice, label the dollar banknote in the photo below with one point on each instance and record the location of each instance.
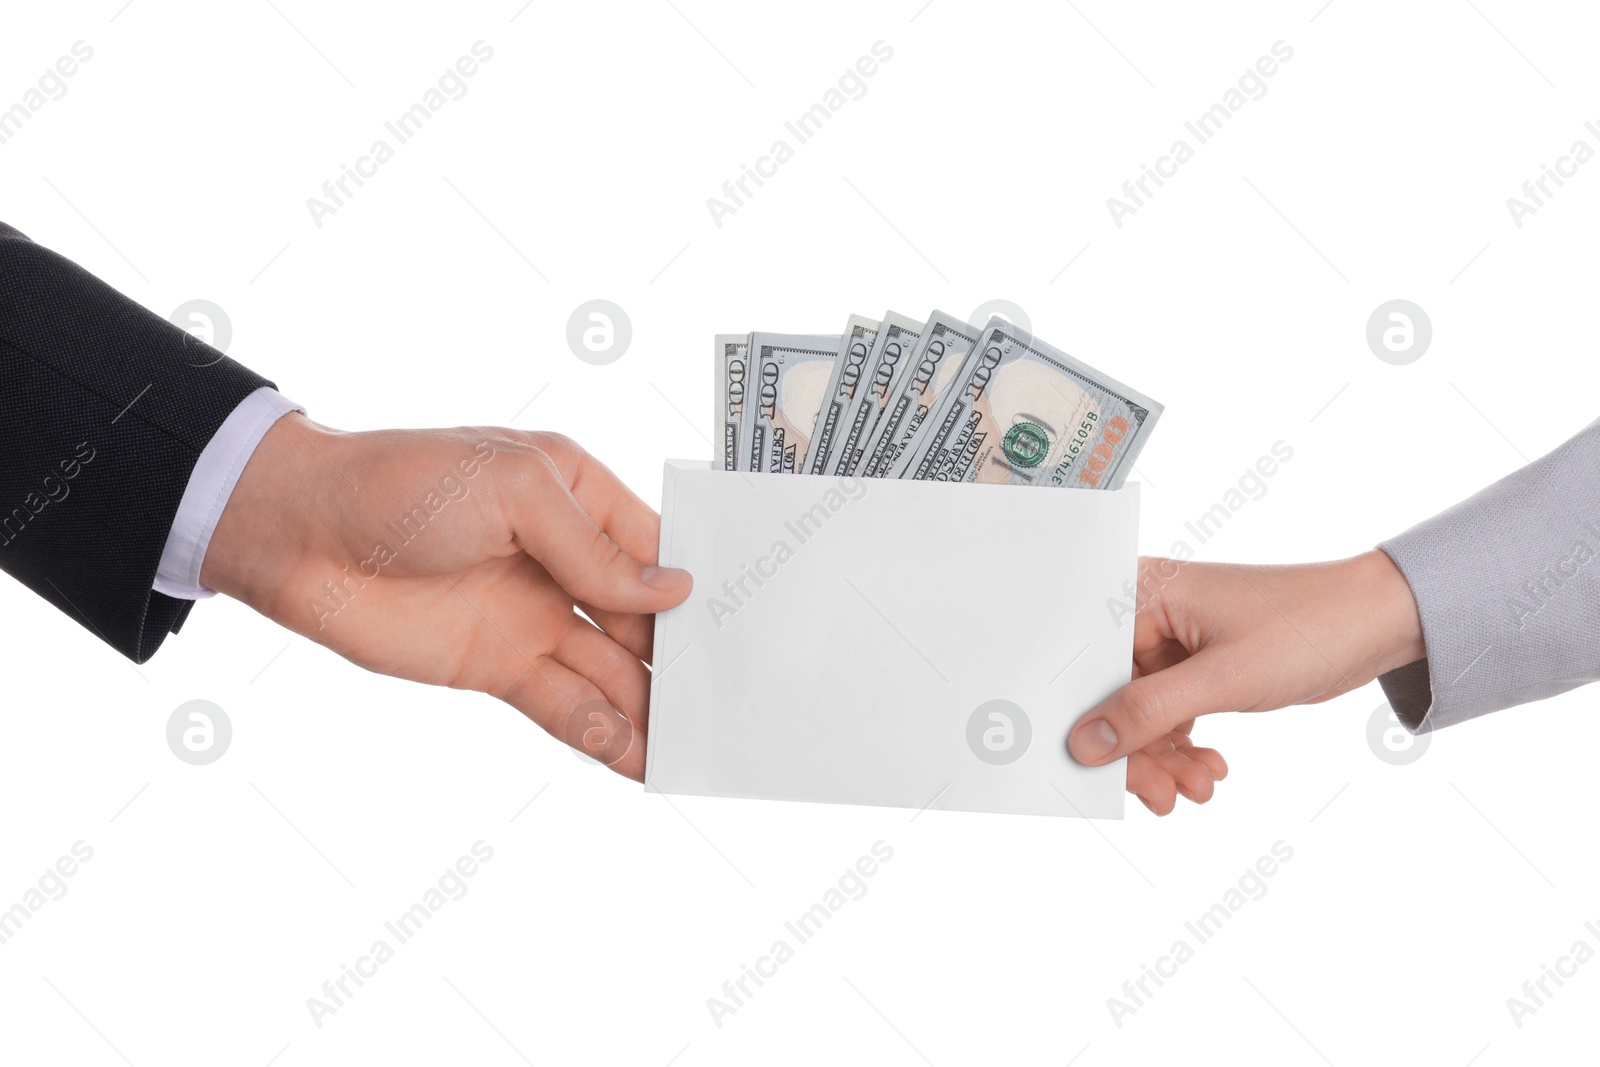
(728, 396)
(849, 375)
(897, 336)
(792, 373)
(1023, 413)
(941, 352)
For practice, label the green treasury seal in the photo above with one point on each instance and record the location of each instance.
(1026, 444)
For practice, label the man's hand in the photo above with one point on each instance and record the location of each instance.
(457, 557)
(1214, 637)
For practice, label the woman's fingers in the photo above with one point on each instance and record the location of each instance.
(1169, 767)
(1151, 783)
(1191, 778)
(1209, 756)
(1152, 706)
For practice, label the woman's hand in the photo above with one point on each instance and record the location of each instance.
(1213, 637)
(458, 557)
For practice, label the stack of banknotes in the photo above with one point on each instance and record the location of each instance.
(940, 400)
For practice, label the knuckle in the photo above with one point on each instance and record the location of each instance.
(539, 462)
(1142, 709)
(519, 485)
(525, 471)
(554, 444)
(539, 475)
(603, 549)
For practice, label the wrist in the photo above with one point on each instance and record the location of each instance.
(1388, 612)
(263, 534)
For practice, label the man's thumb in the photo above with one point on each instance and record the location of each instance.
(1148, 708)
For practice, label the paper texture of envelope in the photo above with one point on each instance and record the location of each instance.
(890, 642)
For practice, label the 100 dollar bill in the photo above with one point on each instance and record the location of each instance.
(891, 352)
(1024, 413)
(920, 386)
(728, 395)
(860, 333)
(792, 373)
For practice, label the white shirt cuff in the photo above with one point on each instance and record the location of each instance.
(210, 486)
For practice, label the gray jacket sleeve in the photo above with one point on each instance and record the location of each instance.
(1508, 587)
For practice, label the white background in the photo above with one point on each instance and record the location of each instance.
(977, 166)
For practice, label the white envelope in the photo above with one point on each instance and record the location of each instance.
(892, 642)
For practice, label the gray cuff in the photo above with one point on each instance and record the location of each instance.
(1507, 584)
(1410, 693)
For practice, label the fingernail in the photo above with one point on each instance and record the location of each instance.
(663, 577)
(1092, 740)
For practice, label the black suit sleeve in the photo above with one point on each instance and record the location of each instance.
(104, 410)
